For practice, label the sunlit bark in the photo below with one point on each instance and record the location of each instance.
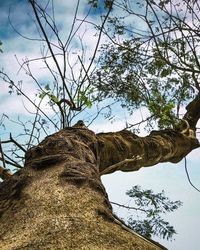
(127, 152)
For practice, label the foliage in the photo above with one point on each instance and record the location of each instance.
(151, 205)
(97, 3)
(157, 65)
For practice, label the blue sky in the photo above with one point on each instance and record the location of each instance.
(169, 177)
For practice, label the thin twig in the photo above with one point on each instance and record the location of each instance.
(127, 207)
(12, 162)
(188, 177)
(33, 4)
(6, 78)
(17, 144)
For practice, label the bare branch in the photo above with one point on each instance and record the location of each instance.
(15, 142)
(6, 78)
(33, 4)
(128, 207)
(12, 163)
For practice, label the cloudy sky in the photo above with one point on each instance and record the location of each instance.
(169, 177)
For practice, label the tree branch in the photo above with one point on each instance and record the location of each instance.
(33, 4)
(5, 173)
(193, 112)
(2, 155)
(126, 151)
(128, 207)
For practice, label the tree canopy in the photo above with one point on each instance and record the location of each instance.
(144, 55)
(157, 62)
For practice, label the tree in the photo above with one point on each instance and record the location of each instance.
(57, 200)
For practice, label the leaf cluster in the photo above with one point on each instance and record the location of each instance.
(96, 3)
(152, 205)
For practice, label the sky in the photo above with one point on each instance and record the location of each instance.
(167, 176)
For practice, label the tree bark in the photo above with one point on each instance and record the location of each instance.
(57, 201)
(126, 151)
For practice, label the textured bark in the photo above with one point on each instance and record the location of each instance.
(126, 151)
(57, 201)
(193, 112)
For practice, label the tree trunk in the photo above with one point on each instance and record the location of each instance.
(57, 201)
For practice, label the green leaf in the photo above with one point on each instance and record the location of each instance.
(47, 87)
(88, 103)
(42, 95)
(165, 72)
(93, 3)
(54, 98)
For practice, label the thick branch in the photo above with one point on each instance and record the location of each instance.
(193, 112)
(125, 151)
